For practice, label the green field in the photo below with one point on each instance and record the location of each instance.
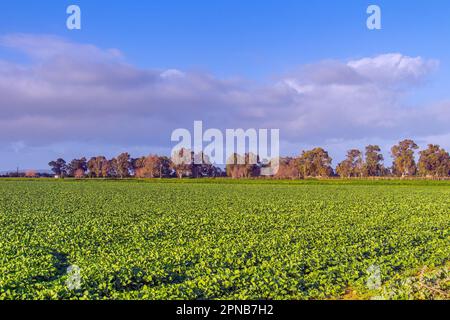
(222, 239)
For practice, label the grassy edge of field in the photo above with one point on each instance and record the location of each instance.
(315, 181)
(424, 283)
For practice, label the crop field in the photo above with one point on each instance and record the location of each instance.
(208, 240)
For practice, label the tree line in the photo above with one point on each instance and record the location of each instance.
(434, 162)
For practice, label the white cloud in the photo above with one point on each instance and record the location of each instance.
(79, 93)
(172, 73)
(394, 68)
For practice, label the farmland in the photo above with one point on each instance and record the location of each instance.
(221, 240)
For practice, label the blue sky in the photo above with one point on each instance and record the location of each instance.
(252, 38)
(257, 42)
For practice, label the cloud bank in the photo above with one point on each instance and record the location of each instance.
(68, 95)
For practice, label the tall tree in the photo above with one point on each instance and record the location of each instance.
(152, 166)
(246, 166)
(434, 162)
(288, 168)
(201, 166)
(315, 163)
(252, 165)
(344, 169)
(235, 166)
(403, 155)
(76, 166)
(106, 168)
(352, 166)
(182, 162)
(373, 166)
(113, 168)
(138, 165)
(98, 167)
(122, 165)
(59, 167)
(164, 167)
